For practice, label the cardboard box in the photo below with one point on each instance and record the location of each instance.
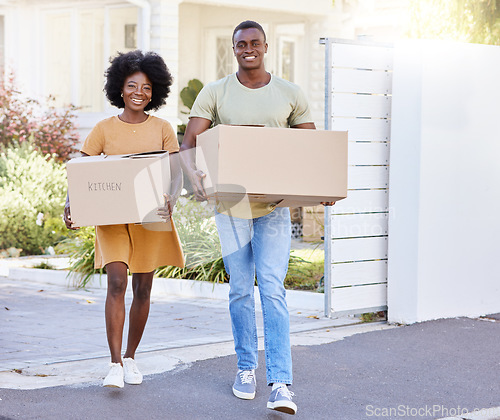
(117, 189)
(263, 164)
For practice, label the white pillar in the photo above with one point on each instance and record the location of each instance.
(444, 193)
(165, 41)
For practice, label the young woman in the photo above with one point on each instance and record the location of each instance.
(135, 82)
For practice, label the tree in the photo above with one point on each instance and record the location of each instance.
(476, 21)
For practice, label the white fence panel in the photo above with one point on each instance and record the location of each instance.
(368, 153)
(361, 81)
(359, 249)
(360, 105)
(357, 273)
(367, 177)
(358, 99)
(363, 129)
(372, 296)
(362, 201)
(361, 56)
(359, 225)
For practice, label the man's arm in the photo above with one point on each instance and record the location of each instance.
(175, 187)
(307, 126)
(176, 177)
(195, 126)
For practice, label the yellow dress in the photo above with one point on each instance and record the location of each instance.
(141, 249)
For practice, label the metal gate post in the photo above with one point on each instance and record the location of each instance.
(327, 238)
(327, 275)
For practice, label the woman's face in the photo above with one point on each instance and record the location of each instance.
(137, 91)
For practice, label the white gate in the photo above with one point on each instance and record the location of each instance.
(358, 87)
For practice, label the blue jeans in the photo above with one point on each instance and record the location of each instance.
(261, 247)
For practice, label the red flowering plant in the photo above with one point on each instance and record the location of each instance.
(49, 129)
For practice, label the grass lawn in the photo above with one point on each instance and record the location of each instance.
(306, 270)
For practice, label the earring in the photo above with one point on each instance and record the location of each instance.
(121, 95)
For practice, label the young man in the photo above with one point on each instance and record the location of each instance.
(257, 242)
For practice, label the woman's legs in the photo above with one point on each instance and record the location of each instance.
(139, 310)
(115, 308)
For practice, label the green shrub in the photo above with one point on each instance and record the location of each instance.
(195, 224)
(49, 129)
(81, 251)
(197, 230)
(10, 252)
(374, 316)
(190, 92)
(198, 234)
(33, 189)
(44, 265)
(305, 270)
(188, 95)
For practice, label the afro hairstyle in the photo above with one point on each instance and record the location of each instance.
(125, 64)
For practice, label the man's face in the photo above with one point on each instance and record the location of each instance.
(249, 48)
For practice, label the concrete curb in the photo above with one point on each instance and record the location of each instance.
(161, 287)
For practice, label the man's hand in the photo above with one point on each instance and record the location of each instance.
(328, 203)
(197, 182)
(67, 217)
(195, 126)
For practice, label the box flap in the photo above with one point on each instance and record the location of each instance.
(154, 154)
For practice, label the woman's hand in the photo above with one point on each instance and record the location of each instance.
(67, 217)
(166, 211)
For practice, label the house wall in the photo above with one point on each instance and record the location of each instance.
(319, 7)
(66, 57)
(178, 32)
(17, 17)
(197, 20)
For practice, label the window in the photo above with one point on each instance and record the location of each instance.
(130, 35)
(287, 60)
(78, 43)
(290, 40)
(224, 63)
(121, 20)
(218, 59)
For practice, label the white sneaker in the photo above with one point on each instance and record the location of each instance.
(131, 373)
(115, 376)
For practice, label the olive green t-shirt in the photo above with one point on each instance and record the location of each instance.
(280, 103)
